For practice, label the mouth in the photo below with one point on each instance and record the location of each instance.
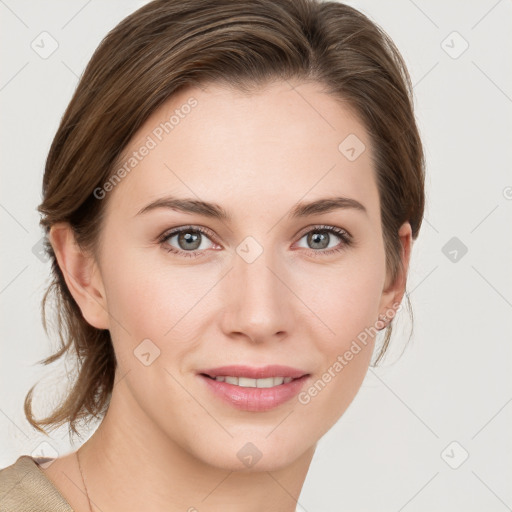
(254, 389)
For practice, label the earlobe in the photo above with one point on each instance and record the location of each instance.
(392, 296)
(81, 275)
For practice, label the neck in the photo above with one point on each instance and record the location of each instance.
(128, 463)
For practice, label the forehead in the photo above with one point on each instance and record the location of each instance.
(285, 142)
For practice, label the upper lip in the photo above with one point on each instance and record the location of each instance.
(252, 372)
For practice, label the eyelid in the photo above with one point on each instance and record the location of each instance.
(344, 235)
(192, 227)
(328, 227)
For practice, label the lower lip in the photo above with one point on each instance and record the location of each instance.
(255, 399)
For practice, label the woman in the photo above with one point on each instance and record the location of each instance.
(230, 201)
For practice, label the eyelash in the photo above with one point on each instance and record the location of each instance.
(346, 240)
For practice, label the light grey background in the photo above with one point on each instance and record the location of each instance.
(452, 384)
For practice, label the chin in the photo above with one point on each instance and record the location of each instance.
(250, 454)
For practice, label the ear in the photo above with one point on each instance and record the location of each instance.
(81, 274)
(393, 293)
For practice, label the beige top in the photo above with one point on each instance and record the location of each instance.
(24, 487)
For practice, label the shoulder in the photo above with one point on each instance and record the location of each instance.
(24, 487)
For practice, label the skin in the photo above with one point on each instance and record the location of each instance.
(165, 438)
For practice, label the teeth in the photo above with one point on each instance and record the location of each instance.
(245, 382)
(263, 383)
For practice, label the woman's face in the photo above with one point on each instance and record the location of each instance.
(292, 275)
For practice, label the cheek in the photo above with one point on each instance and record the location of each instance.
(148, 299)
(147, 292)
(348, 302)
(349, 305)
(351, 313)
(333, 389)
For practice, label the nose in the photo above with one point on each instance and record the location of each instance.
(257, 304)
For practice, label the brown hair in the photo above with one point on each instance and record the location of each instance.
(170, 44)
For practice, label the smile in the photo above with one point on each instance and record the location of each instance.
(252, 388)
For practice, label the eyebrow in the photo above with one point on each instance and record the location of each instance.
(215, 211)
